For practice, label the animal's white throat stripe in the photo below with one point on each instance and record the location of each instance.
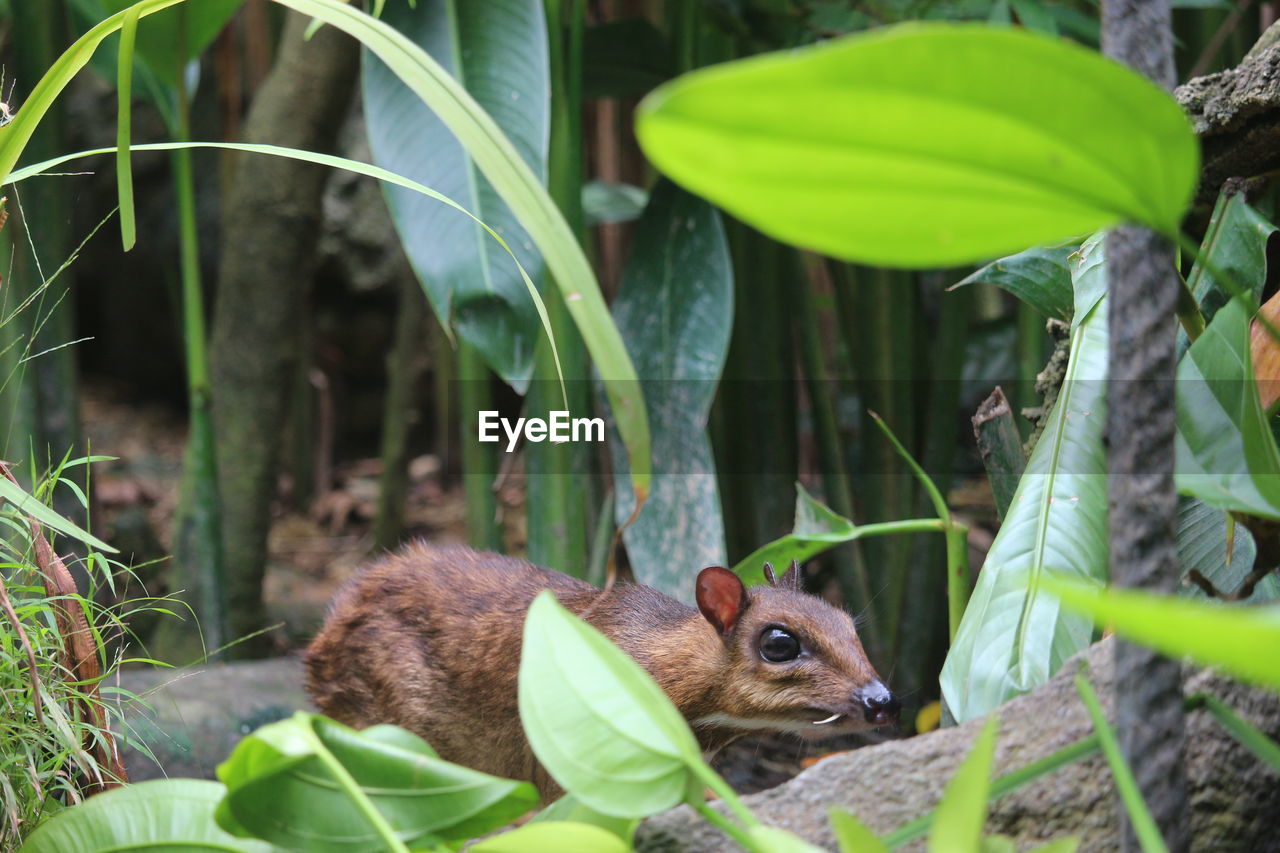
(732, 722)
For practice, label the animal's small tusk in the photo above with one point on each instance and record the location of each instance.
(830, 719)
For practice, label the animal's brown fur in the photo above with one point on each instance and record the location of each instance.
(429, 639)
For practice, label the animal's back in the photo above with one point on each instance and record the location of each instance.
(424, 639)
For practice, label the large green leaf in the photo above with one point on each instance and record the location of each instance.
(1226, 455)
(853, 835)
(926, 144)
(161, 41)
(598, 723)
(160, 816)
(281, 786)
(958, 821)
(1235, 243)
(1013, 636)
(675, 309)
(554, 837)
(1203, 546)
(1240, 640)
(497, 49)
(1041, 277)
(818, 529)
(492, 152)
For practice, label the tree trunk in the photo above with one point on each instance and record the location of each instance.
(270, 226)
(1140, 428)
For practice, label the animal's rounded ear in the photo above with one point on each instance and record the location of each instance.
(721, 598)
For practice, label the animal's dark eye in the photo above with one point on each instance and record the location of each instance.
(778, 645)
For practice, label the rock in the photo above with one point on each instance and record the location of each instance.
(1234, 796)
(200, 713)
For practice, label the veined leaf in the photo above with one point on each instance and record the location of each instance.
(1226, 455)
(958, 821)
(926, 145)
(1203, 533)
(1013, 636)
(497, 49)
(1232, 637)
(1236, 243)
(598, 723)
(569, 808)
(281, 786)
(1040, 277)
(147, 817)
(675, 310)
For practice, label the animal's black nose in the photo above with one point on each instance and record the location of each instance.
(879, 705)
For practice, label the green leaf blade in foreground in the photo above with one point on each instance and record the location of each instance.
(598, 723)
(280, 787)
(1013, 636)
(926, 145)
(13, 494)
(853, 835)
(497, 50)
(674, 309)
(556, 836)
(1235, 638)
(160, 815)
(958, 821)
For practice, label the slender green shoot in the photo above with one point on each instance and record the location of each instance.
(1144, 826)
(124, 97)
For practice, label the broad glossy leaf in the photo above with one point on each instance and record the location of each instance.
(1041, 277)
(853, 835)
(159, 816)
(607, 202)
(570, 808)
(598, 723)
(674, 309)
(1235, 638)
(958, 820)
(926, 145)
(1013, 636)
(1236, 243)
(553, 837)
(816, 529)
(1202, 546)
(497, 49)
(1088, 275)
(279, 787)
(1226, 455)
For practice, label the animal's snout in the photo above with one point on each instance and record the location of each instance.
(879, 705)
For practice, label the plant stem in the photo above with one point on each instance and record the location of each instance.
(1249, 737)
(721, 788)
(358, 796)
(725, 825)
(478, 460)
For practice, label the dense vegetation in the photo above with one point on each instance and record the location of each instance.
(797, 315)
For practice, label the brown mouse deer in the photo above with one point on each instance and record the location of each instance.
(429, 639)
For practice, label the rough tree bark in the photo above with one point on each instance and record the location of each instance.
(1142, 516)
(270, 226)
